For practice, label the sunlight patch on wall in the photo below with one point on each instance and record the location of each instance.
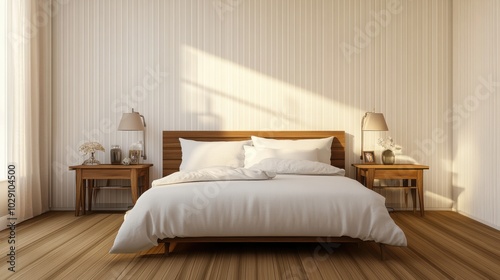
(220, 94)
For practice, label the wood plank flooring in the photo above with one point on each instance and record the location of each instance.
(443, 245)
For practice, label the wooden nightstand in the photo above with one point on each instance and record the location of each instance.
(367, 173)
(88, 173)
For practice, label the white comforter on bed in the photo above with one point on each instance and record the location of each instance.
(288, 205)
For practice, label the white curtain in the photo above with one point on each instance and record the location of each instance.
(28, 100)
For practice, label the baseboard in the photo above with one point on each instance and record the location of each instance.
(399, 208)
(100, 207)
(497, 227)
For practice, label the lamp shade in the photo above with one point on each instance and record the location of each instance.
(131, 122)
(374, 122)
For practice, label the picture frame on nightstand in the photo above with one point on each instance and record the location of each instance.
(368, 156)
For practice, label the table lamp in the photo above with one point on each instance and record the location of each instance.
(134, 122)
(372, 122)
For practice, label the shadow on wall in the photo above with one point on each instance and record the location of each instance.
(205, 119)
(274, 39)
(456, 192)
(210, 84)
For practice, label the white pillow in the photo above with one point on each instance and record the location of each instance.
(323, 145)
(254, 155)
(199, 154)
(293, 166)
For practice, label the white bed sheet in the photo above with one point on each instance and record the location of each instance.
(288, 205)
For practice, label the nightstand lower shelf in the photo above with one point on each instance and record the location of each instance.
(94, 190)
(413, 189)
(367, 173)
(87, 174)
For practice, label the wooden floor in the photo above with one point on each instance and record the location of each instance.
(443, 245)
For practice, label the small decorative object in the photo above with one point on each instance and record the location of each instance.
(126, 161)
(134, 156)
(116, 154)
(388, 155)
(91, 147)
(369, 156)
(134, 153)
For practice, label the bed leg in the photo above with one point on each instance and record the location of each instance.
(167, 251)
(169, 247)
(382, 247)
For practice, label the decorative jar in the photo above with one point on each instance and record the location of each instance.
(116, 154)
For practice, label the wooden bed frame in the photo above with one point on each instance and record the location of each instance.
(172, 156)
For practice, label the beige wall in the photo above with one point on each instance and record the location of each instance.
(3, 199)
(253, 65)
(476, 130)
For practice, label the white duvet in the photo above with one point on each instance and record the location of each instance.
(288, 205)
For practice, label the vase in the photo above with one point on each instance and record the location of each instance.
(388, 157)
(91, 160)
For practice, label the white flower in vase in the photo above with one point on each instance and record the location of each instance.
(91, 147)
(388, 144)
(390, 149)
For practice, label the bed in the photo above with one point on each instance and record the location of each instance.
(290, 207)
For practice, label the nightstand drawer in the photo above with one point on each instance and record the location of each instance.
(105, 174)
(396, 174)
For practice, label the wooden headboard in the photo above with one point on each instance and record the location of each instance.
(172, 154)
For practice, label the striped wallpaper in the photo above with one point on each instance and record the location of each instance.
(476, 131)
(253, 65)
